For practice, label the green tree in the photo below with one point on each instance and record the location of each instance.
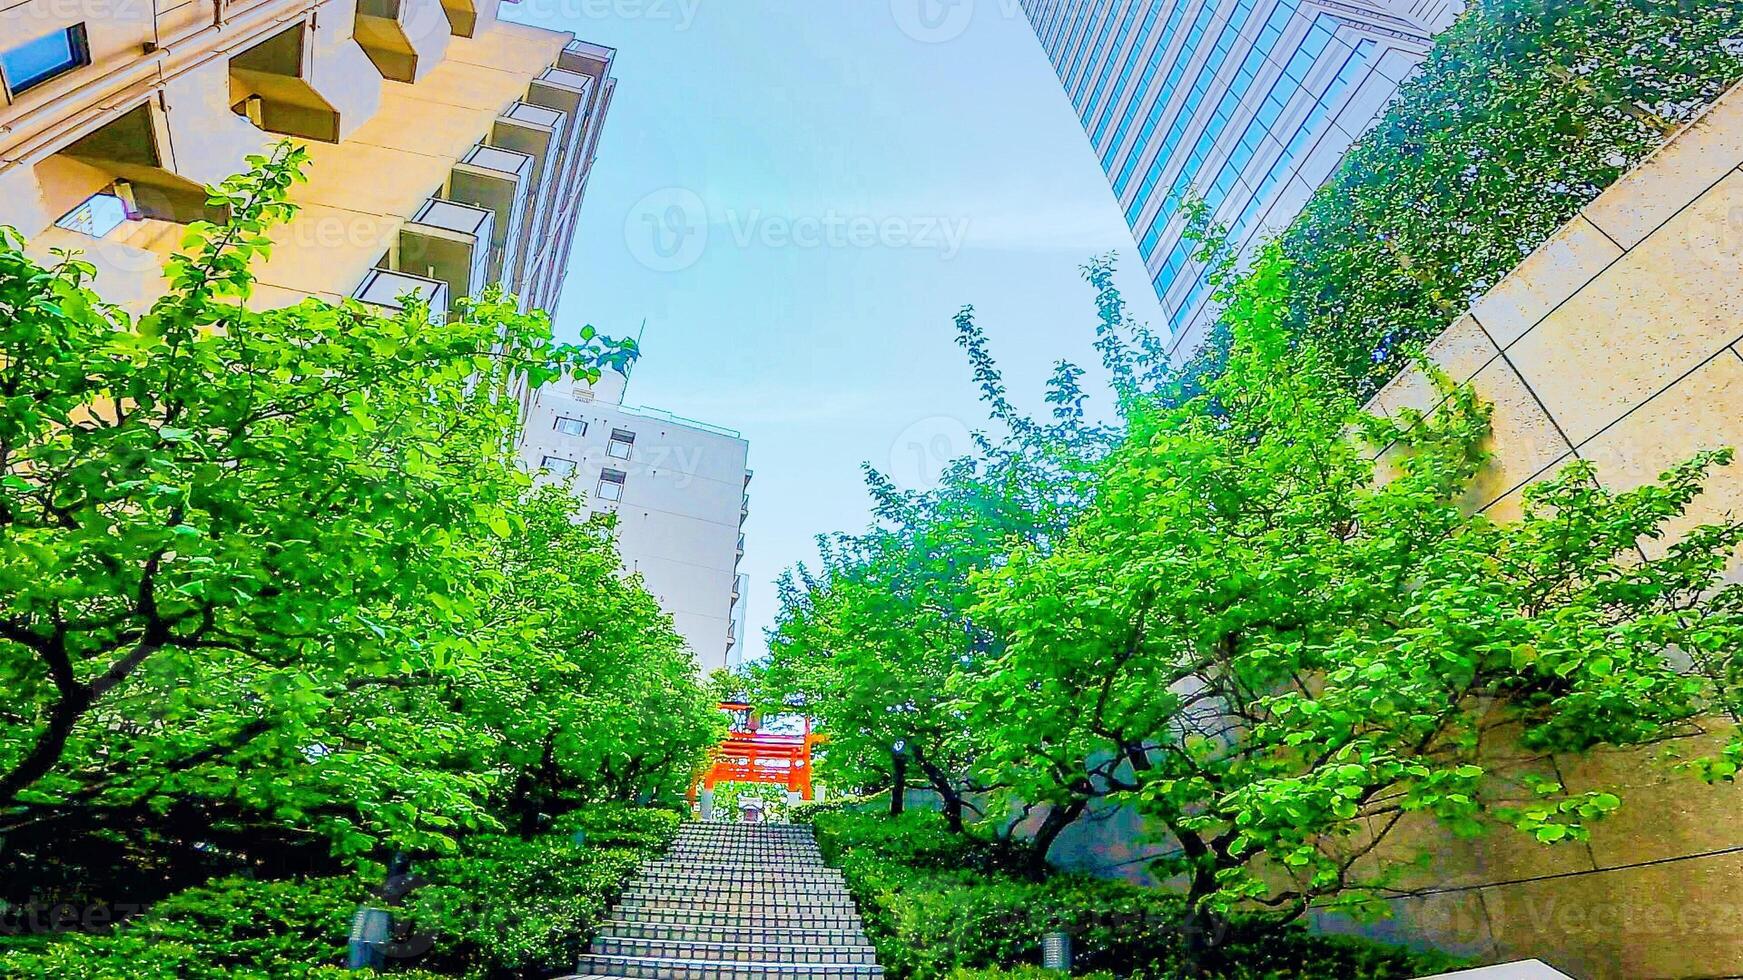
(1277, 657)
(871, 644)
(230, 537)
(588, 692)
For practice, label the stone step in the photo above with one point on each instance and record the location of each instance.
(740, 840)
(735, 872)
(839, 917)
(658, 969)
(777, 891)
(776, 840)
(771, 884)
(737, 952)
(745, 907)
(836, 894)
(741, 827)
(668, 932)
(773, 840)
(746, 850)
(735, 855)
(727, 900)
(759, 836)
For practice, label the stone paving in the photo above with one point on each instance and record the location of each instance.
(735, 902)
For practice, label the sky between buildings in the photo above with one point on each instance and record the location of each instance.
(798, 196)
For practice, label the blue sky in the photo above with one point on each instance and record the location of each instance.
(797, 196)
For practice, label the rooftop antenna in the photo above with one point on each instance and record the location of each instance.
(630, 367)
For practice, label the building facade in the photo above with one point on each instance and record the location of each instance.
(1246, 104)
(680, 490)
(448, 149)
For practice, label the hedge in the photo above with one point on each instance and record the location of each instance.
(501, 907)
(937, 904)
(1525, 111)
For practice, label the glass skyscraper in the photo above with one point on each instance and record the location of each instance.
(1248, 104)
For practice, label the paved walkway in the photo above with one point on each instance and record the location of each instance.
(735, 902)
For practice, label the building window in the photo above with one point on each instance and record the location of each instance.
(611, 485)
(34, 62)
(558, 466)
(571, 427)
(97, 215)
(621, 442)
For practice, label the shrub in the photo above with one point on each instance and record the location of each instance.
(507, 906)
(621, 825)
(1017, 973)
(809, 812)
(233, 929)
(938, 904)
(918, 839)
(500, 907)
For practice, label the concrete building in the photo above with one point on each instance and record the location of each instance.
(1248, 104)
(449, 149)
(680, 490)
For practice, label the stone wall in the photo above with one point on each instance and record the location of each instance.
(1619, 341)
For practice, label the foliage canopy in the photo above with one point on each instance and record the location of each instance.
(275, 597)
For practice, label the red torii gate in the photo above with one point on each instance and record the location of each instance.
(749, 755)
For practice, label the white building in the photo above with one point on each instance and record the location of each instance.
(679, 488)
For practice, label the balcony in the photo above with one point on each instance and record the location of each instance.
(388, 289)
(450, 242)
(566, 91)
(125, 158)
(587, 58)
(498, 181)
(404, 38)
(470, 18)
(269, 86)
(534, 130)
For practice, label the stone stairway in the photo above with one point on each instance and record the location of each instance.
(735, 902)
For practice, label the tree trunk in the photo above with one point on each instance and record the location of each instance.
(1058, 818)
(899, 783)
(1205, 932)
(50, 745)
(953, 811)
(947, 791)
